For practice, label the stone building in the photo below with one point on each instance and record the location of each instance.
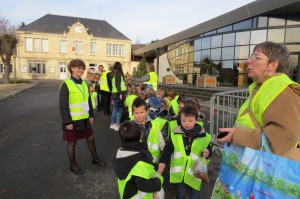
(46, 45)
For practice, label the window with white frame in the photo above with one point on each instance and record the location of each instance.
(62, 46)
(37, 67)
(36, 45)
(108, 49)
(28, 44)
(45, 46)
(78, 47)
(93, 48)
(122, 50)
(115, 49)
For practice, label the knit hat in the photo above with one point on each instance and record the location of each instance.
(149, 86)
(154, 106)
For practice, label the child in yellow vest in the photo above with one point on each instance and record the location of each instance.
(94, 96)
(133, 93)
(137, 176)
(150, 129)
(188, 142)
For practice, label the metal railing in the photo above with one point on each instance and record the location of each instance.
(224, 108)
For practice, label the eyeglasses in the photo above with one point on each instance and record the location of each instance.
(80, 67)
(254, 57)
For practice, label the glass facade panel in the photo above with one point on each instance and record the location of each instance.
(293, 20)
(205, 54)
(197, 44)
(251, 49)
(240, 76)
(216, 41)
(292, 35)
(241, 52)
(242, 38)
(226, 73)
(293, 48)
(225, 29)
(210, 33)
(197, 56)
(258, 36)
(228, 39)
(227, 53)
(276, 35)
(216, 54)
(243, 25)
(262, 22)
(254, 22)
(206, 42)
(293, 61)
(277, 21)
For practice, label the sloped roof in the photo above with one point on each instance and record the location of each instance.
(256, 8)
(59, 24)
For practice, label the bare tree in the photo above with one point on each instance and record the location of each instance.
(8, 43)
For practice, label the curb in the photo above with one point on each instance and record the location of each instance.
(10, 96)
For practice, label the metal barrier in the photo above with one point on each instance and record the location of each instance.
(224, 108)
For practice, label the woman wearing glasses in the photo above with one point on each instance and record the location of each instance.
(274, 101)
(268, 120)
(77, 114)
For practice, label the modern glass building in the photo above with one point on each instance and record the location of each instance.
(221, 46)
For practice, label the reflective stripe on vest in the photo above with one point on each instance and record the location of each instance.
(103, 82)
(153, 80)
(143, 170)
(78, 98)
(129, 101)
(153, 141)
(114, 88)
(182, 166)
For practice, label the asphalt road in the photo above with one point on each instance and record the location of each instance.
(33, 157)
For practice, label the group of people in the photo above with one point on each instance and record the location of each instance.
(164, 132)
(162, 123)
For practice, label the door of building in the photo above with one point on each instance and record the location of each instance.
(63, 71)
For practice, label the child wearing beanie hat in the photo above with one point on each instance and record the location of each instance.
(154, 106)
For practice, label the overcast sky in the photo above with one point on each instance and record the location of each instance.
(139, 20)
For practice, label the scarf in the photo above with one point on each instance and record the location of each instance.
(194, 132)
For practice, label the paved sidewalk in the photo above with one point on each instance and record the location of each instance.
(8, 91)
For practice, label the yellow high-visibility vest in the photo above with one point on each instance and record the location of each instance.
(153, 80)
(114, 88)
(78, 100)
(143, 170)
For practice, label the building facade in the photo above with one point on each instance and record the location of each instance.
(220, 47)
(46, 46)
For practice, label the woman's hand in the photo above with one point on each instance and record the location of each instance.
(121, 97)
(91, 120)
(69, 127)
(229, 136)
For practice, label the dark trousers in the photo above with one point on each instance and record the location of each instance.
(105, 101)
